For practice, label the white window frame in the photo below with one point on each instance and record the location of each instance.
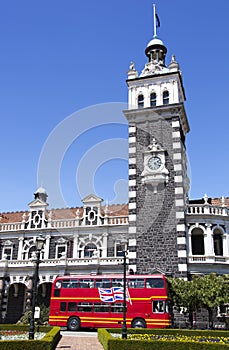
(4, 253)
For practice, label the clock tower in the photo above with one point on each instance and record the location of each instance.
(158, 180)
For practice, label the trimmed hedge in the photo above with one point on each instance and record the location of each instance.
(24, 327)
(48, 342)
(111, 343)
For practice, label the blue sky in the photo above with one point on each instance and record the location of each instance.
(58, 57)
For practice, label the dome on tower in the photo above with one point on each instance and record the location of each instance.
(41, 190)
(41, 194)
(155, 41)
(156, 50)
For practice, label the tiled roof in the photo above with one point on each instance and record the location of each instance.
(70, 213)
(65, 213)
(12, 216)
(218, 201)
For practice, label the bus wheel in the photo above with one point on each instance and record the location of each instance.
(73, 324)
(138, 323)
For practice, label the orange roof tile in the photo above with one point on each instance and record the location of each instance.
(65, 213)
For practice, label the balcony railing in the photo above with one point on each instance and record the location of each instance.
(207, 209)
(108, 261)
(208, 259)
(64, 224)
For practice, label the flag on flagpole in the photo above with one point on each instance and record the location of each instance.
(158, 23)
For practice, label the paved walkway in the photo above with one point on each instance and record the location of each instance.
(79, 343)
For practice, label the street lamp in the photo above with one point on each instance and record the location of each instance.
(39, 245)
(124, 328)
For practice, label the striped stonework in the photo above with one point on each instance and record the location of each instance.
(179, 160)
(132, 198)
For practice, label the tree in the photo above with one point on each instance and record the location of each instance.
(209, 292)
(213, 291)
(184, 295)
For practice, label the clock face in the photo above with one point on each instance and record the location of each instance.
(154, 163)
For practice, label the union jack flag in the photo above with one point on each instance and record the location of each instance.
(106, 295)
(109, 295)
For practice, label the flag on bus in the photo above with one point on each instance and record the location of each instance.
(110, 295)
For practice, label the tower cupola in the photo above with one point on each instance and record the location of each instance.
(41, 194)
(156, 52)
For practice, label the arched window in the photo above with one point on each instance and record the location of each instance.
(165, 97)
(153, 99)
(140, 101)
(197, 240)
(218, 242)
(90, 250)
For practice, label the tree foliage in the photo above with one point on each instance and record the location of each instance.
(207, 292)
(184, 295)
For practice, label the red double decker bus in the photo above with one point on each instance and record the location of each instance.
(97, 301)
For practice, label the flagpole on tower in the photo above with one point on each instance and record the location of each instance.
(154, 22)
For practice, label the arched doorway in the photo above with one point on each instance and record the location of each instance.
(44, 294)
(15, 304)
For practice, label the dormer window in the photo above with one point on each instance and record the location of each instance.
(165, 97)
(140, 101)
(153, 99)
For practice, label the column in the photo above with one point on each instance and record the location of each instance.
(104, 251)
(46, 247)
(75, 246)
(20, 248)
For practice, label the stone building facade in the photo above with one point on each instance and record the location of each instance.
(162, 228)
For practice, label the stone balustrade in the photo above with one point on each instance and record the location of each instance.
(64, 224)
(208, 259)
(207, 209)
(59, 262)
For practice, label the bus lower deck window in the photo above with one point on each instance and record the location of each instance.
(85, 307)
(71, 306)
(117, 308)
(158, 306)
(63, 306)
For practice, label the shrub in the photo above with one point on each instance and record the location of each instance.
(43, 320)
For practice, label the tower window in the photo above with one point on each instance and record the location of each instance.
(153, 99)
(165, 97)
(140, 101)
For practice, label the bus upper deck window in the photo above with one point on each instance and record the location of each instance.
(117, 282)
(66, 284)
(103, 283)
(155, 283)
(136, 283)
(74, 284)
(86, 283)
